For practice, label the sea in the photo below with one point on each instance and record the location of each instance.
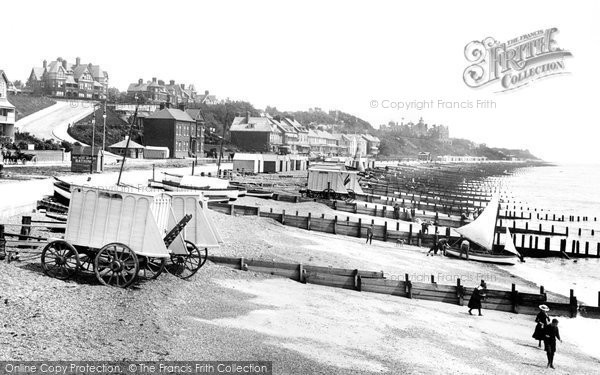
(564, 189)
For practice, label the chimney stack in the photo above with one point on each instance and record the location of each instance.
(45, 64)
(247, 116)
(64, 64)
(161, 82)
(140, 81)
(153, 79)
(161, 106)
(172, 82)
(78, 61)
(181, 106)
(183, 86)
(206, 92)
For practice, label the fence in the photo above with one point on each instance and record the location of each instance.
(375, 282)
(412, 237)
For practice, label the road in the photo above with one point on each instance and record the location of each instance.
(53, 122)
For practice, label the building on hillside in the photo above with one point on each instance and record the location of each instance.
(60, 79)
(157, 92)
(134, 149)
(290, 135)
(424, 156)
(206, 98)
(172, 128)
(256, 134)
(357, 145)
(372, 144)
(197, 134)
(317, 142)
(7, 112)
(346, 144)
(303, 146)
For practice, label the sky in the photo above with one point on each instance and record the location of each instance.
(344, 55)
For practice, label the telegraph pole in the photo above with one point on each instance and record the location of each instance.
(93, 139)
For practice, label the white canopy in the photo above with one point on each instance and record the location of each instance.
(481, 231)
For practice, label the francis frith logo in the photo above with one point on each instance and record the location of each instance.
(514, 63)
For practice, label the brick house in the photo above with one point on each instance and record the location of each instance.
(7, 111)
(256, 134)
(172, 128)
(61, 79)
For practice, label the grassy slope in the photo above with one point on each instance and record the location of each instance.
(27, 105)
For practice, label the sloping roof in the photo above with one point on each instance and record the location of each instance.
(135, 87)
(54, 66)
(171, 114)
(195, 113)
(295, 124)
(3, 75)
(70, 79)
(283, 126)
(79, 70)
(97, 72)
(256, 124)
(38, 72)
(123, 144)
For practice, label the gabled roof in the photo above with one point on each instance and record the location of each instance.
(96, 71)
(195, 113)
(80, 70)
(54, 67)
(3, 76)
(38, 72)
(123, 144)
(295, 124)
(171, 114)
(256, 124)
(135, 87)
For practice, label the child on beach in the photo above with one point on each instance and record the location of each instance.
(370, 234)
(551, 333)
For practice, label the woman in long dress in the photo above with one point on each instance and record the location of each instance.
(475, 300)
(542, 319)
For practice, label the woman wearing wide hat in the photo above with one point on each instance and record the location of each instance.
(475, 300)
(542, 319)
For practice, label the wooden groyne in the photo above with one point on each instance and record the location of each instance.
(511, 300)
(534, 246)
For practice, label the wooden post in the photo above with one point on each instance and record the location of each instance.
(359, 227)
(301, 274)
(459, 292)
(231, 210)
(410, 234)
(308, 221)
(243, 265)
(385, 231)
(355, 208)
(547, 244)
(432, 279)
(2, 242)
(283, 217)
(408, 286)
(514, 296)
(335, 219)
(573, 303)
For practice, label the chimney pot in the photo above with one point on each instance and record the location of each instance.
(45, 64)
(64, 64)
(183, 86)
(172, 82)
(205, 92)
(78, 61)
(140, 81)
(161, 106)
(154, 79)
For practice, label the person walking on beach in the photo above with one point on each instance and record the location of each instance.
(551, 333)
(542, 319)
(396, 211)
(464, 247)
(370, 234)
(438, 246)
(475, 300)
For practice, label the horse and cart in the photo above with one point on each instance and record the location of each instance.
(120, 235)
(14, 156)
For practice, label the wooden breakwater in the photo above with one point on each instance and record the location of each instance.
(375, 282)
(339, 226)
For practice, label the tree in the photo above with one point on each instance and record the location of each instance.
(114, 95)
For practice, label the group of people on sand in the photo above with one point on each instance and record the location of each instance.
(546, 330)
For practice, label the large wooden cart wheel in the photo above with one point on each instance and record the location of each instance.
(116, 265)
(60, 260)
(185, 266)
(150, 268)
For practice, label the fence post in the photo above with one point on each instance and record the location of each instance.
(232, 210)
(2, 241)
(573, 303)
(359, 227)
(385, 231)
(283, 217)
(301, 274)
(334, 224)
(514, 296)
(308, 221)
(407, 286)
(459, 292)
(26, 228)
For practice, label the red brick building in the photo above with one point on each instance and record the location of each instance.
(175, 129)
